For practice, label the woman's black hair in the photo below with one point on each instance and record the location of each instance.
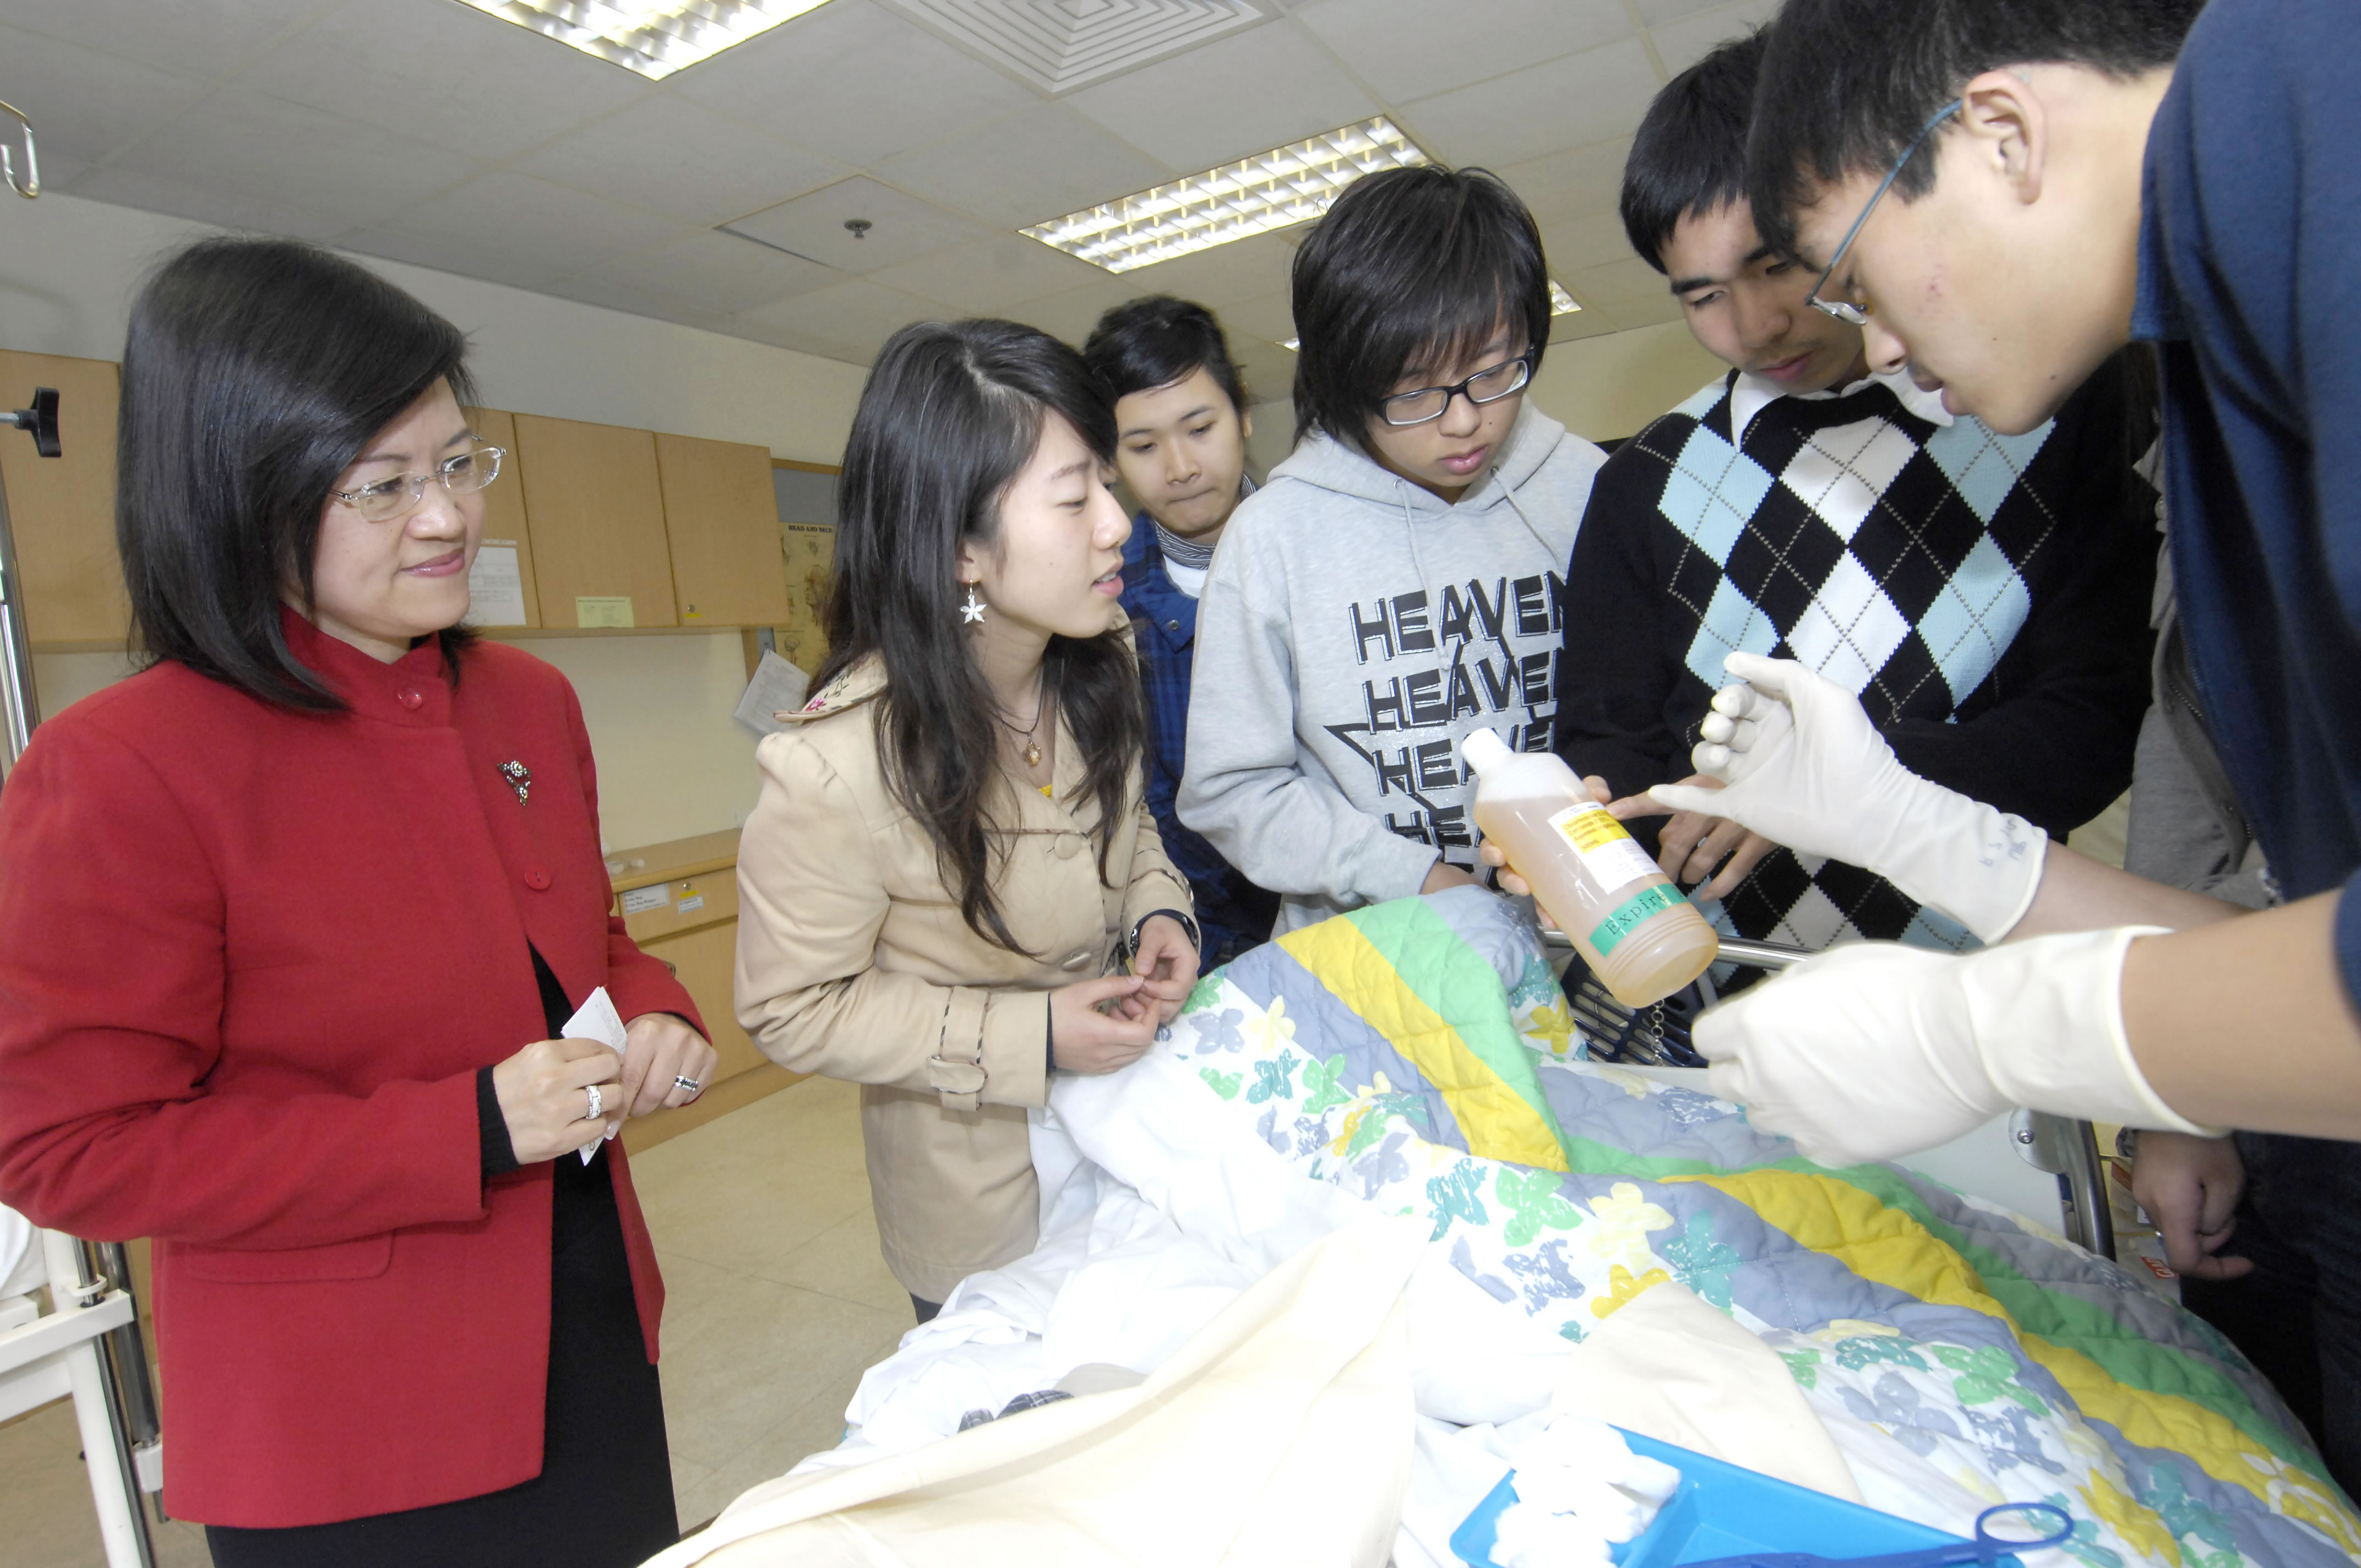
(951, 414)
(254, 372)
(1153, 342)
(1411, 270)
(1689, 156)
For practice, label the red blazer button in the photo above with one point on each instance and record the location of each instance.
(536, 879)
(408, 696)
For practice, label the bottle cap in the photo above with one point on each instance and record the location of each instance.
(1484, 750)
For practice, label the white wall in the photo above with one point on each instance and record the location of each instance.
(68, 268)
(1609, 386)
(672, 762)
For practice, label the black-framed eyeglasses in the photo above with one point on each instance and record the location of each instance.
(1843, 310)
(386, 499)
(1484, 387)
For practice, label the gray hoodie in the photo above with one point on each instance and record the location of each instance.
(1352, 629)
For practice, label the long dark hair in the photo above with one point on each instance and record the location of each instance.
(256, 371)
(952, 412)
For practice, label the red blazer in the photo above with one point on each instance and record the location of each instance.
(250, 960)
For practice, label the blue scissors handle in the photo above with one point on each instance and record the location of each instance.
(1986, 1549)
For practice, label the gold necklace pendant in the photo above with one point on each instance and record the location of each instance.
(1032, 753)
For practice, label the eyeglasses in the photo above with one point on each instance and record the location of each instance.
(1484, 387)
(398, 497)
(1844, 310)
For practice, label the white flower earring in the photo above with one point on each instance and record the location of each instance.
(972, 612)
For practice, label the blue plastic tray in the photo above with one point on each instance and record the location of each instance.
(1721, 1510)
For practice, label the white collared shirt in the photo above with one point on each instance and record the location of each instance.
(1752, 394)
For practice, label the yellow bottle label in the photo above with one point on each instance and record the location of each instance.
(1608, 853)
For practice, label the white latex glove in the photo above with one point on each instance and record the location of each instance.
(1875, 1050)
(1806, 768)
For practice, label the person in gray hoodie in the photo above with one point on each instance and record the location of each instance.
(1397, 581)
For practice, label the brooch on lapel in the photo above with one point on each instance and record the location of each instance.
(520, 779)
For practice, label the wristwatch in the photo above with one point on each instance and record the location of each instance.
(1188, 924)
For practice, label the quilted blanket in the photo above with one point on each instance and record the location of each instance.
(1419, 1055)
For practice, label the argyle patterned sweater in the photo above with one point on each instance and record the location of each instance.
(1986, 596)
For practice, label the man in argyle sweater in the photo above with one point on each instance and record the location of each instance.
(1801, 507)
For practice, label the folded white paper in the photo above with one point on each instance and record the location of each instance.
(597, 1019)
(776, 687)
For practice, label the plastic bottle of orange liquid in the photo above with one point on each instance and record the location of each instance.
(1640, 938)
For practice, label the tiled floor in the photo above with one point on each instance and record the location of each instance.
(777, 1301)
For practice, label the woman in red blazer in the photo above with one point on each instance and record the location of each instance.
(288, 924)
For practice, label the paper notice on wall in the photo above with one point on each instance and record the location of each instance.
(777, 687)
(596, 611)
(495, 586)
(597, 1020)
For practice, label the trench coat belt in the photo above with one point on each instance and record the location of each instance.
(956, 1071)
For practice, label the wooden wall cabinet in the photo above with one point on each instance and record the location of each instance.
(679, 903)
(63, 508)
(723, 517)
(504, 518)
(596, 502)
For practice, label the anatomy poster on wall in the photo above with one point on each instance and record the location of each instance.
(811, 555)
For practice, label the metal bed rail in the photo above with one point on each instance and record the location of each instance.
(2057, 1146)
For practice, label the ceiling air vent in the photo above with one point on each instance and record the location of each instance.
(1059, 45)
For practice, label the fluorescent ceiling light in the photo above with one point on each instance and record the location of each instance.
(654, 39)
(1561, 303)
(1274, 190)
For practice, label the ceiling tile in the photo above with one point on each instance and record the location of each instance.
(719, 273)
(785, 337)
(1576, 245)
(1652, 11)
(1575, 183)
(278, 153)
(1238, 270)
(854, 82)
(1270, 318)
(1039, 163)
(1228, 99)
(83, 104)
(634, 301)
(667, 154)
(204, 37)
(1569, 101)
(1412, 48)
(855, 315)
(1071, 316)
(1269, 370)
(905, 228)
(468, 255)
(1683, 43)
(988, 276)
(1581, 323)
(184, 198)
(1631, 292)
(568, 231)
(493, 88)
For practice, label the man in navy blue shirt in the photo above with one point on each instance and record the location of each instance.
(2002, 192)
(1181, 427)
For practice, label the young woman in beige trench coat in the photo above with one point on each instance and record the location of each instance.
(952, 863)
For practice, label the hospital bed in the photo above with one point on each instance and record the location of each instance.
(87, 1349)
(2026, 1162)
(1416, 1069)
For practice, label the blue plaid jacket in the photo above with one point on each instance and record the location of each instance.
(1231, 913)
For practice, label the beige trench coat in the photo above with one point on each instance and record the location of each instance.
(853, 963)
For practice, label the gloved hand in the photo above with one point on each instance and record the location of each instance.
(1806, 768)
(1875, 1050)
